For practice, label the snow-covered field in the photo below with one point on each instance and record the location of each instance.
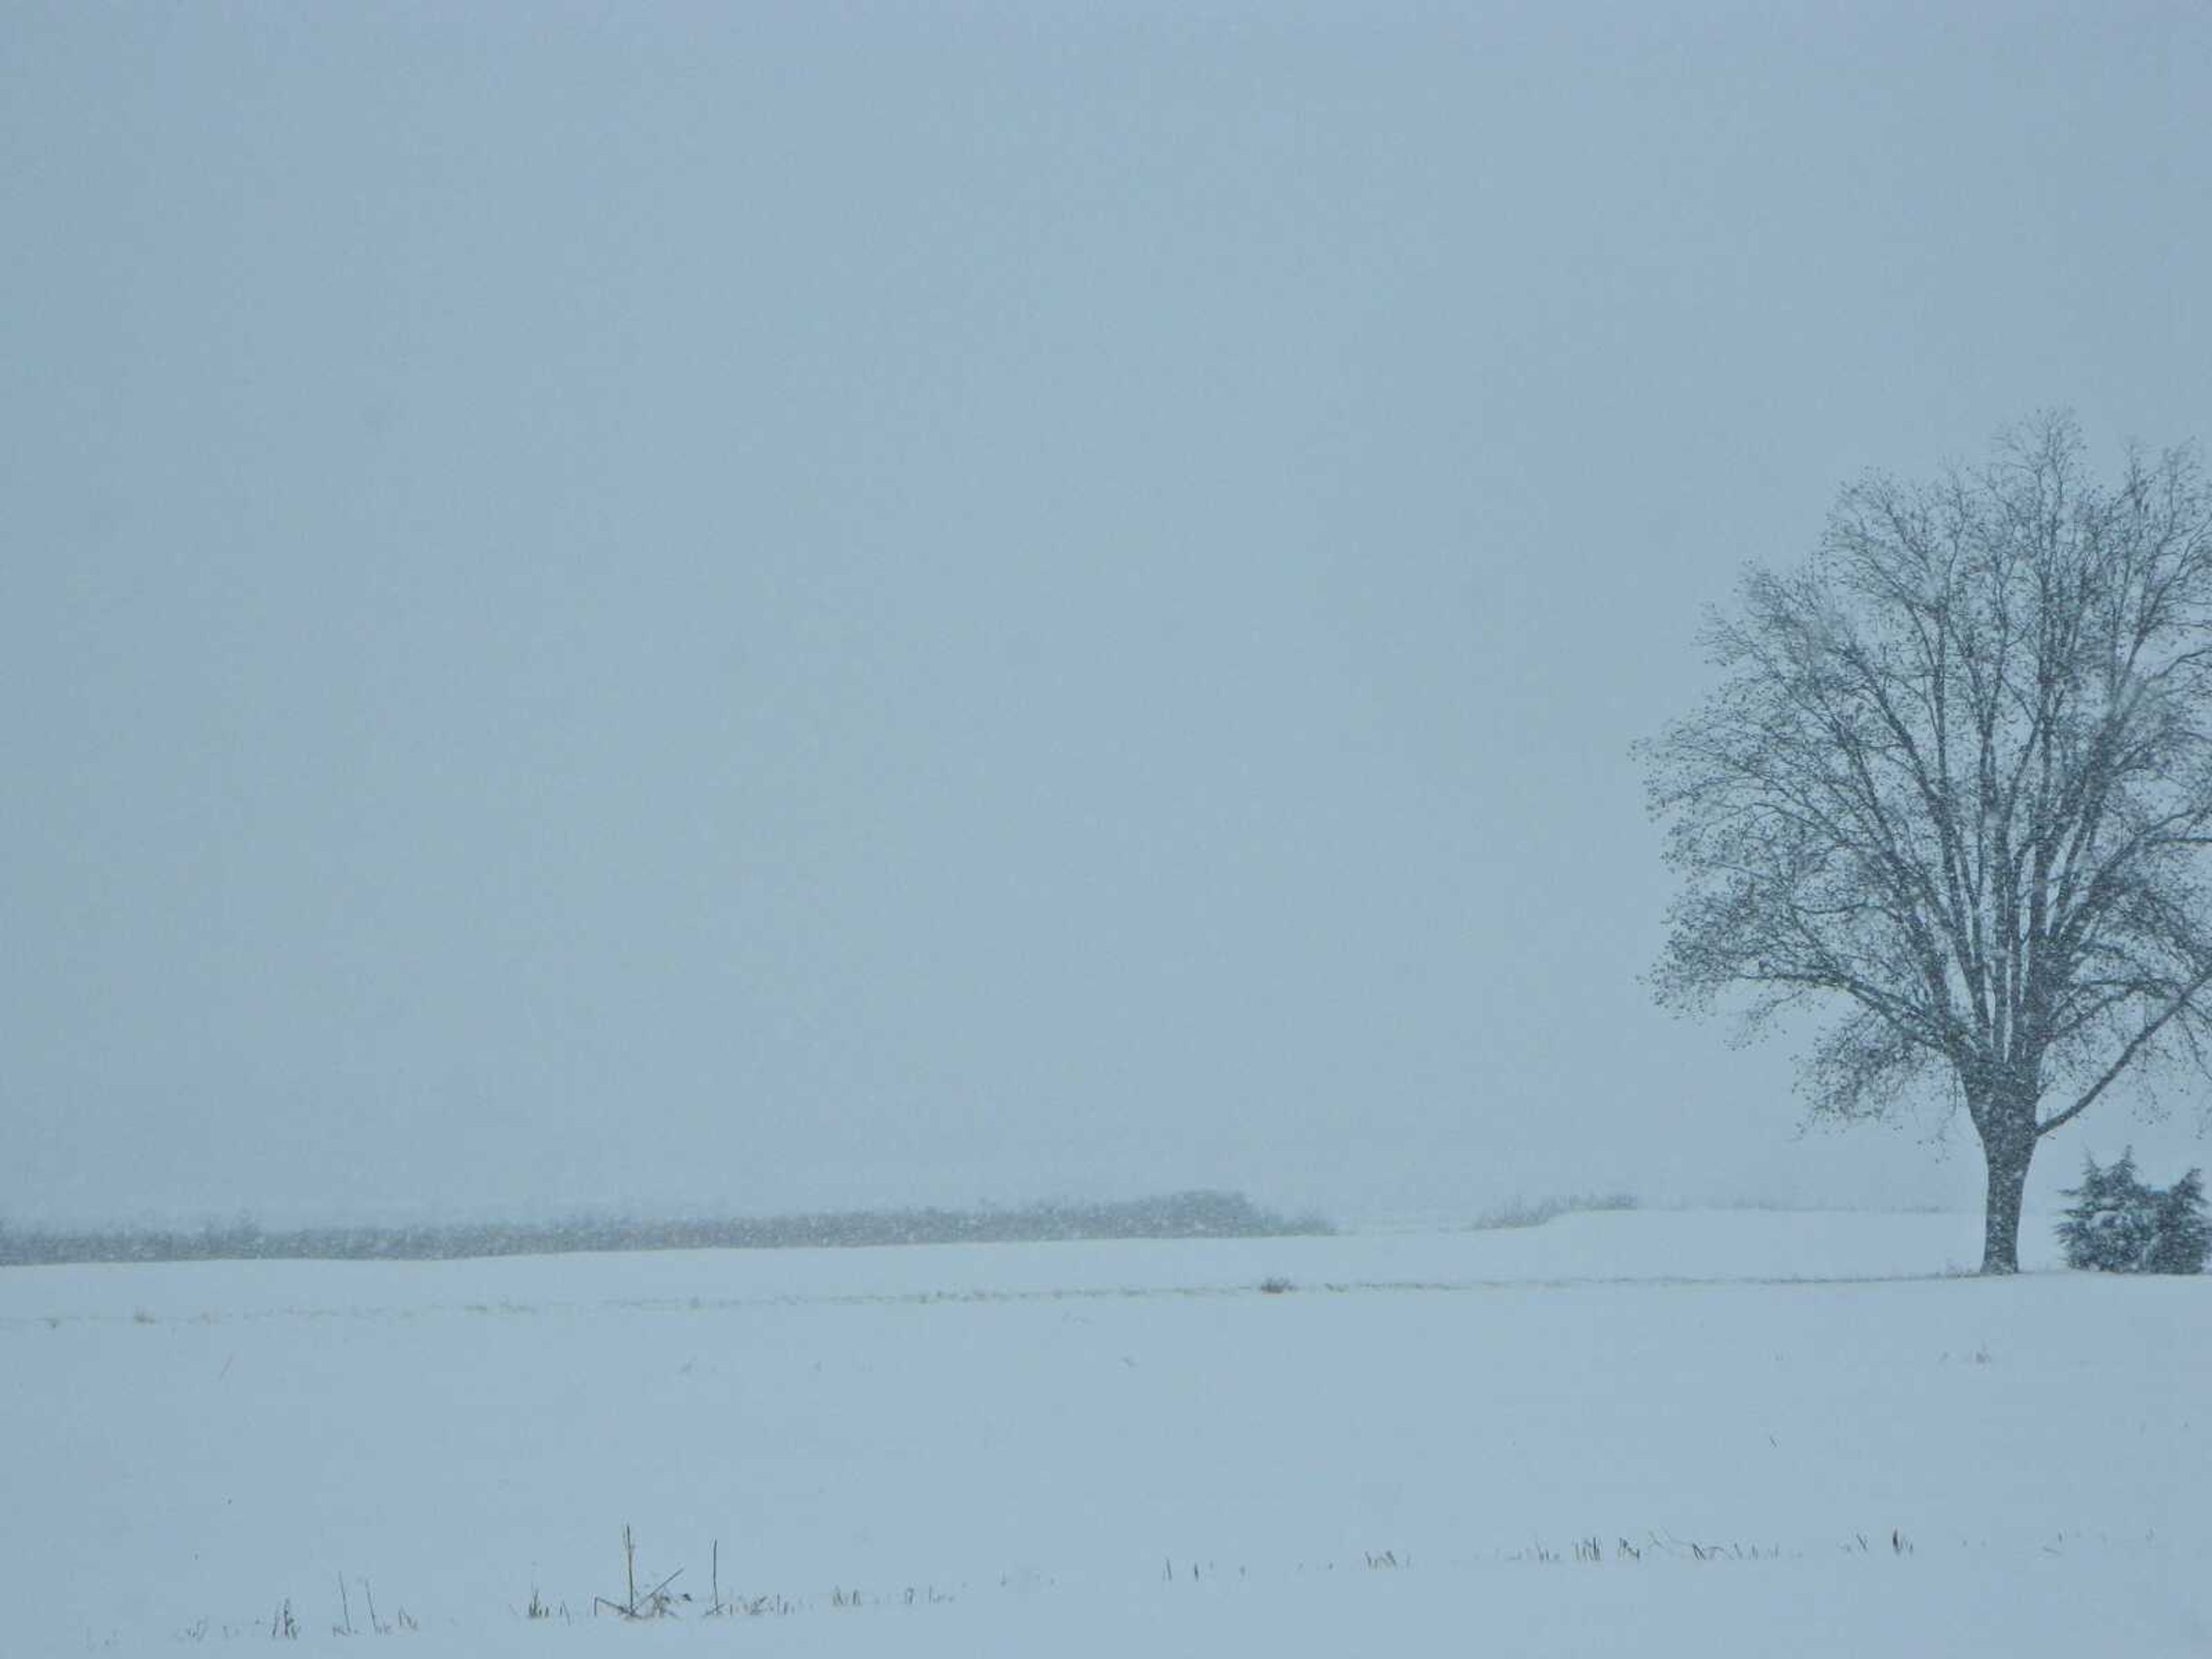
(1784, 1433)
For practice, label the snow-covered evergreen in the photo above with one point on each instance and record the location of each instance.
(2118, 1225)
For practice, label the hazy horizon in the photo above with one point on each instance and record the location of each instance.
(785, 609)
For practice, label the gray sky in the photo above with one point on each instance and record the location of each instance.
(763, 607)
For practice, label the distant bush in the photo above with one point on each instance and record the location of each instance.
(2117, 1224)
(1175, 1215)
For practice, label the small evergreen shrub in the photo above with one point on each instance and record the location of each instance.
(2181, 1239)
(2117, 1224)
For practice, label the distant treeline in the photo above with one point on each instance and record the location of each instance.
(1534, 1213)
(1177, 1215)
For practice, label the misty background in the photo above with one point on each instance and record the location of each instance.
(775, 608)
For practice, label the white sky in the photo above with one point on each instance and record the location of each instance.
(765, 607)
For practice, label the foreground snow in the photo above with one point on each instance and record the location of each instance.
(1782, 1432)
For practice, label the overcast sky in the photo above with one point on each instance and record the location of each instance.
(760, 607)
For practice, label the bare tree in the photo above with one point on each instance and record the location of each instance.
(1954, 791)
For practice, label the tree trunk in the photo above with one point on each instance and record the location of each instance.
(2006, 1153)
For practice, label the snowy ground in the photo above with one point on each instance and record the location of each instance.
(1784, 1433)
